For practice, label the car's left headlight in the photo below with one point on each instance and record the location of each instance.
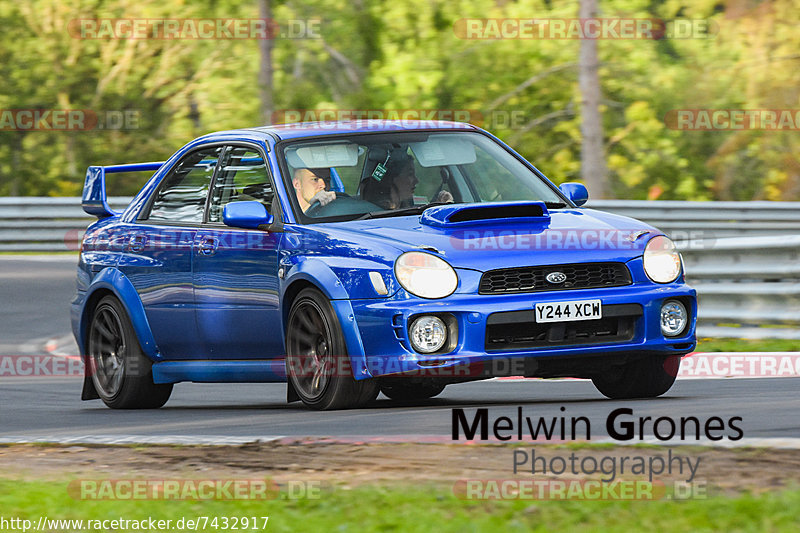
(662, 262)
(425, 275)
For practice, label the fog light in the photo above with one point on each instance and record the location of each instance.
(673, 318)
(428, 334)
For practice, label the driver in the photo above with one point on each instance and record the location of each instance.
(310, 185)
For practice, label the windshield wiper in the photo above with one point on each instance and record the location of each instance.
(554, 205)
(414, 210)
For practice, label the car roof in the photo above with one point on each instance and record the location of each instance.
(314, 129)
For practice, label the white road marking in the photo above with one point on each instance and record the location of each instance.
(41, 258)
(205, 440)
(188, 440)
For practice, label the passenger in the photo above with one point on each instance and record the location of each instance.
(396, 189)
(310, 185)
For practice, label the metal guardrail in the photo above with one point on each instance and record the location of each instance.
(43, 224)
(695, 220)
(748, 287)
(40, 224)
(743, 257)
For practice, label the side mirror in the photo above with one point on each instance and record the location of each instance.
(248, 215)
(576, 192)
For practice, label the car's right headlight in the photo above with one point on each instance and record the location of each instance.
(425, 275)
(662, 262)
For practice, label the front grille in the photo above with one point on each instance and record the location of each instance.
(533, 279)
(518, 330)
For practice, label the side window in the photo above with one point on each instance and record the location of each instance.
(242, 177)
(182, 196)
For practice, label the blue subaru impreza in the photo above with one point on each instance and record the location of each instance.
(353, 258)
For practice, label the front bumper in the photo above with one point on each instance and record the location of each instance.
(383, 329)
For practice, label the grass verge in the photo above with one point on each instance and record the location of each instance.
(404, 507)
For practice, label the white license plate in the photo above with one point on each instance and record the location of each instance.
(568, 311)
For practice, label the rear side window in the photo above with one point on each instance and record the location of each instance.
(242, 177)
(182, 195)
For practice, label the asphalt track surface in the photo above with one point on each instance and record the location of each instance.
(35, 294)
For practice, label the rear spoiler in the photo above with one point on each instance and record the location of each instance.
(94, 200)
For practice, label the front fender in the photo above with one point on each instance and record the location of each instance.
(111, 279)
(319, 274)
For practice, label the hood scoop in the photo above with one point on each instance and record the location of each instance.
(460, 215)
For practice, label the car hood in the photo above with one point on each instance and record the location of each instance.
(559, 237)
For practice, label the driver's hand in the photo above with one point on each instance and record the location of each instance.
(324, 197)
(443, 197)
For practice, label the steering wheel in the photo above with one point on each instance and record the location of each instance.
(315, 208)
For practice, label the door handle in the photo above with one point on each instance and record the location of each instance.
(208, 245)
(136, 243)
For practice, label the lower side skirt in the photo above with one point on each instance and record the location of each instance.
(269, 371)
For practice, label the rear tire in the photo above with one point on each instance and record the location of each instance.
(645, 377)
(120, 371)
(317, 363)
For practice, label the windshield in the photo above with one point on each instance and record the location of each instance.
(392, 174)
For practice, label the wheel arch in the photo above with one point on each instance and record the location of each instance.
(111, 281)
(289, 295)
(319, 276)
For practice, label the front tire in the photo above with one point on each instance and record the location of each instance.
(317, 363)
(121, 373)
(644, 377)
